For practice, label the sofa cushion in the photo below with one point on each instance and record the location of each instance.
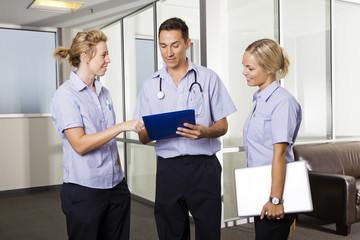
(336, 157)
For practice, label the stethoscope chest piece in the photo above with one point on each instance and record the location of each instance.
(160, 95)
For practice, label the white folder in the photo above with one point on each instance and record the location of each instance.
(253, 186)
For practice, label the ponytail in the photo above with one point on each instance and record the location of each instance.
(285, 66)
(61, 52)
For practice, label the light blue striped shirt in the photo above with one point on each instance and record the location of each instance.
(274, 118)
(215, 104)
(76, 105)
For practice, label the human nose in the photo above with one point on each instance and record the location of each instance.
(108, 59)
(169, 51)
(244, 72)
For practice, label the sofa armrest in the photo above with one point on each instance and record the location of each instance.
(334, 197)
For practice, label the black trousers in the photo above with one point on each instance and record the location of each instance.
(96, 214)
(188, 184)
(273, 229)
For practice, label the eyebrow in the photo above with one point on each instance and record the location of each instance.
(162, 43)
(247, 65)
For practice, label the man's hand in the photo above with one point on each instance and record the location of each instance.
(194, 133)
(218, 129)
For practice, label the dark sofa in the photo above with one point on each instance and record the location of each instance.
(334, 174)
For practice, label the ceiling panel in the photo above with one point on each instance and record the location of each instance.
(93, 14)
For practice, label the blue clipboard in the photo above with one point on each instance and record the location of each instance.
(164, 125)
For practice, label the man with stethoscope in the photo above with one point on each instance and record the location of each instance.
(188, 175)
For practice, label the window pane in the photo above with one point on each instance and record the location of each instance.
(306, 41)
(346, 64)
(239, 28)
(231, 161)
(141, 169)
(137, 26)
(144, 61)
(28, 71)
(112, 80)
(187, 10)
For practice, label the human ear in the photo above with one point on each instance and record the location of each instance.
(84, 58)
(188, 43)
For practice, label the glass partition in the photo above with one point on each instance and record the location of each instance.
(139, 65)
(307, 42)
(138, 36)
(233, 26)
(239, 28)
(346, 65)
(187, 10)
(141, 170)
(112, 80)
(28, 71)
(231, 161)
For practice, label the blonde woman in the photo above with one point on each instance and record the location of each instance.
(94, 196)
(270, 130)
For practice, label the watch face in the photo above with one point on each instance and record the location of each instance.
(275, 201)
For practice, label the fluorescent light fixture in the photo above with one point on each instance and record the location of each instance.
(55, 5)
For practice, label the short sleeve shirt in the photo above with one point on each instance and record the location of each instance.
(210, 106)
(76, 105)
(274, 118)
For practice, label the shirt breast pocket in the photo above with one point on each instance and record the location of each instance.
(260, 129)
(195, 99)
(109, 114)
(267, 133)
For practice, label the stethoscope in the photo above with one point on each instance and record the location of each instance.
(161, 94)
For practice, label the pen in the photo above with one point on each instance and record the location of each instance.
(108, 104)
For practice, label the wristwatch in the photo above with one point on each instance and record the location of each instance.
(276, 201)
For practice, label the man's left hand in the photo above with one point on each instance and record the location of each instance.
(194, 132)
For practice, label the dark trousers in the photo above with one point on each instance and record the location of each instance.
(96, 214)
(273, 229)
(188, 184)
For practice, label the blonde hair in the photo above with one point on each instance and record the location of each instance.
(270, 56)
(84, 42)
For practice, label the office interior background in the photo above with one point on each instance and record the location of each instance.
(320, 36)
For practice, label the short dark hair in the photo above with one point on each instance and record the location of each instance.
(175, 24)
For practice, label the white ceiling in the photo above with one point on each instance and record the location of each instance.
(95, 13)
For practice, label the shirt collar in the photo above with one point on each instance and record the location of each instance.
(267, 92)
(164, 74)
(79, 85)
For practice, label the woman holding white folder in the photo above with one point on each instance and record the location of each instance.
(270, 130)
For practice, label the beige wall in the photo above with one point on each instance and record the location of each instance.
(31, 153)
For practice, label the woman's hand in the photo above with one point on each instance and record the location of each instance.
(133, 125)
(272, 211)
